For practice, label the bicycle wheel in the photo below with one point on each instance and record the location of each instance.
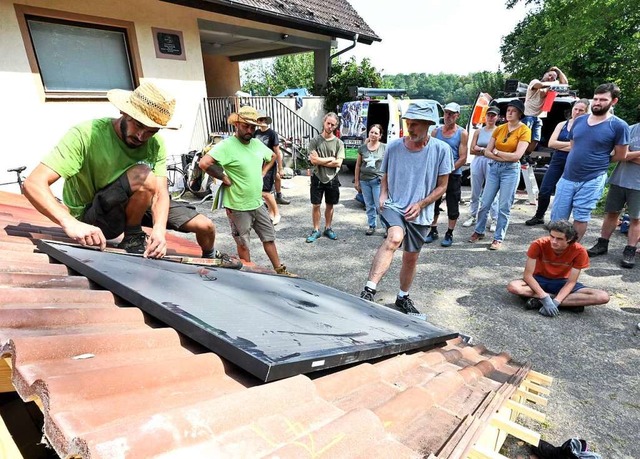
(176, 182)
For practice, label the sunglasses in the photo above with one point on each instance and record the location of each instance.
(506, 137)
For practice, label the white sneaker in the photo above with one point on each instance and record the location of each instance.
(469, 222)
(276, 220)
(492, 226)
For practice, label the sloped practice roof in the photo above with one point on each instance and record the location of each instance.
(334, 17)
(114, 385)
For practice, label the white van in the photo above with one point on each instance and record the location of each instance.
(358, 116)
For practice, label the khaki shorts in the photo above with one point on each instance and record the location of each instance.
(241, 222)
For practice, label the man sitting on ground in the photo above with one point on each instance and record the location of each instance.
(115, 179)
(553, 266)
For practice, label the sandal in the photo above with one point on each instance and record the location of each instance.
(495, 245)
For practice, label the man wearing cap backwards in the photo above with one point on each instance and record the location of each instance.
(593, 139)
(326, 153)
(241, 162)
(269, 137)
(114, 172)
(416, 171)
(456, 137)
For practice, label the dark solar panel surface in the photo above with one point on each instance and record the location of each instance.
(271, 326)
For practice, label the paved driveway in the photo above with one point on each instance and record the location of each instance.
(594, 357)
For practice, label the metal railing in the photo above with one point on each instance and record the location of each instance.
(286, 122)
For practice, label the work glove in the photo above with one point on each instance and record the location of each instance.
(549, 308)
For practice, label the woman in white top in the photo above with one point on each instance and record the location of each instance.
(480, 168)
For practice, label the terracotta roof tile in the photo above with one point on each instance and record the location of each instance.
(334, 14)
(111, 385)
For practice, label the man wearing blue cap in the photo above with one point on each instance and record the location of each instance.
(416, 172)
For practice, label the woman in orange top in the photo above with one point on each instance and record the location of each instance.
(506, 146)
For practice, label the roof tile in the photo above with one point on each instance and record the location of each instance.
(113, 386)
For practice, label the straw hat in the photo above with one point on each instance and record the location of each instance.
(246, 114)
(147, 104)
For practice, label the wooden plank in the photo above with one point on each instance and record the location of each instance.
(5, 377)
(539, 378)
(525, 410)
(516, 430)
(538, 400)
(8, 448)
(479, 452)
(531, 386)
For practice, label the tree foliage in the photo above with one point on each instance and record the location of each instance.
(272, 76)
(592, 41)
(445, 88)
(348, 74)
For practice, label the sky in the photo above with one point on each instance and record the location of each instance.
(435, 36)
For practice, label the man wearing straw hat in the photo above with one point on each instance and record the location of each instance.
(240, 162)
(115, 179)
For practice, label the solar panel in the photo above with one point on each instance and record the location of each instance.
(271, 326)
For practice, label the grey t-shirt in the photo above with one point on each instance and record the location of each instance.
(371, 161)
(627, 173)
(413, 175)
(333, 148)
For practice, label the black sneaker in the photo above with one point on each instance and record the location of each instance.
(601, 247)
(534, 221)
(628, 257)
(134, 242)
(405, 304)
(368, 294)
(533, 303)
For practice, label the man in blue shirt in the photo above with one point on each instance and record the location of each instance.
(416, 170)
(593, 138)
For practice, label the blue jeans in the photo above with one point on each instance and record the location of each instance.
(579, 198)
(479, 173)
(503, 178)
(535, 124)
(371, 194)
(550, 180)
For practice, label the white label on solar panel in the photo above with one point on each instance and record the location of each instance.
(317, 363)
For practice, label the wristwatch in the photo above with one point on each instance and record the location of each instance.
(495, 152)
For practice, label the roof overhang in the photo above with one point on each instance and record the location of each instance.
(274, 18)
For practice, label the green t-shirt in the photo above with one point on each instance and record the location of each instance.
(333, 148)
(243, 164)
(90, 156)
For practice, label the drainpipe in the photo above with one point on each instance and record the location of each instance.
(351, 46)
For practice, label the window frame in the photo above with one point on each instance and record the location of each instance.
(24, 13)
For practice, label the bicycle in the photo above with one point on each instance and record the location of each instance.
(19, 178)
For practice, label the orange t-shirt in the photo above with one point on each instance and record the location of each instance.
(553, 266)
(508, 141)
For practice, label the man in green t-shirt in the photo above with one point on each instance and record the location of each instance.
(115, 179)
(326, 153)
(240, 163)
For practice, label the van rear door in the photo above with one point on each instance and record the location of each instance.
(477, 118)
(393, 128)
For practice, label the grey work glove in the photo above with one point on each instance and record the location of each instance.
(549, 307)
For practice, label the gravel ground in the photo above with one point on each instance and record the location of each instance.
(593, 356)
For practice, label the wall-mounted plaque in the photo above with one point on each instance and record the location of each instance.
(169, 44)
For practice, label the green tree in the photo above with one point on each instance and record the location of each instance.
(272, 76)
(348, 74)
(592, 41)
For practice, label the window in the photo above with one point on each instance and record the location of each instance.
(79, 58)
